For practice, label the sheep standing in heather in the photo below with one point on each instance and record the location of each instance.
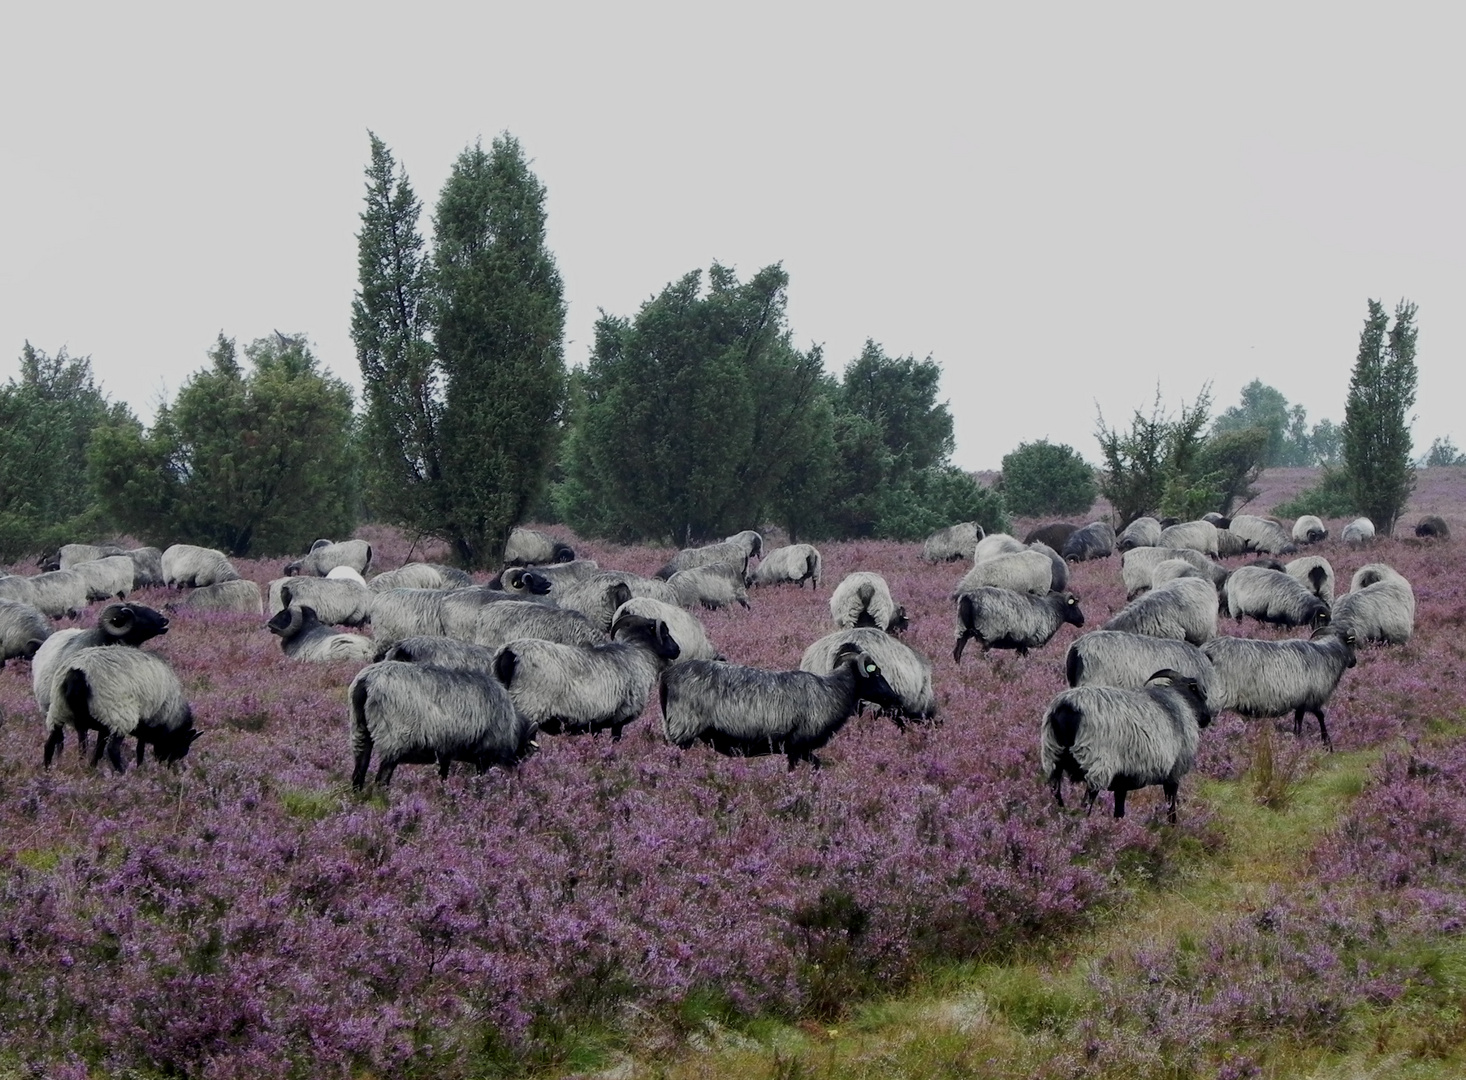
(68, 555)
(1272, 678)
(715, 586)
(1358, 532)
(1432, 527)
(337, 602)
(954, 542)
(304, 637)
(108, 578)
(1308, 529)
(1142, 532)
(864, 599)
(18, 588)
(441, 652)
(356, 554)
(908, 672)
(734, 552)
(521, 583)
(527, 547)
(1021, 571)
(1379, 606)
(1138, 565)
(1094, 541)
(1194, 535)
(188, 566)
(690, 635)
(1316, 574)
(995, 544)
(242, 597)
(119, 693)
(417, 575)
(1058, 567)
(792, 565)
(497, 624)
(1110, 739)
(1273, 596)
(1171, 569)
(598, 597)
(1051, 535)
(1262, 534)
(1003, 619)
(117, 624)
(1184, 608)
(23, 630)
(59, 593)
(1117, 658)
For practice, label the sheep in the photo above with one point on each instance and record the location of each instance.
(1432, 527)
(108, 578)
(441, 652)
(686, 630)
(337, 602)
(1217, 519)
(526, 547)
(18, 588)
(403, 613)
(1273, 596)
(1094, 541)
(1308, 529)
(1003, 619)
(750, 540)
(1113, 739)
(304, 637)
(598, 597)
(1262, 534)
(794, 564)
(417, 714)
(59, 592)
(1358, 532)
(119, 693)
(1195, 535)
(117, 624)
(188, 566)
(499, 623)
(1272, 678)
(1142, 532)
(68, 555)
(908, 672)
(345, 573)
(1230, 544)
(1052, 535)
(995, 544)
(1171, 569)
(954, 542)
(712, 587)
(241, 597)
(567, 688)
(1315, 573)
(417, 575)
(323, 558)
(23, 630)
(147, 567)
(1022, 571)
(734, 553)
(1059, 568)
(1184, 608)
(1379, 606)
(1137, 567)
(864, 599)
(749, 711)
(1125, 660)
(554, 573)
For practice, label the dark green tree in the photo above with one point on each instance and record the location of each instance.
(1443, 452)
(1046, 478)
(1376, 430)
(899, 394)
(1261, 406)
(1325, 444)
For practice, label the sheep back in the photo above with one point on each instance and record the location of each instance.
(794, 565)
(23, 630)
(1183, 608)
(954, 542)
(908, 672)
(1003, 619)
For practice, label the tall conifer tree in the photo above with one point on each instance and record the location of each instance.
(1376, 429)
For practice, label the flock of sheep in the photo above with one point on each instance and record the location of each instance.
(458, 671)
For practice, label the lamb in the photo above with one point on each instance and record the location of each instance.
(417, 575)
(864, 599)
(1095, 541)
(357, 554)
(1185, 609)
(1262, 534)
(908, 672)
(1051, 535)
(1195, 535)
(1022, 571)
(1142, 532)
(304, 637)
(1273, 596)
(188, 566)
(1432, 527)
(23, 630)
(1380, 606)
(598, 597)
(1316, 574)
(108, 578)
(1358, 532)
(1271, 678)
(1117, 658)
(567, 688)
(712, 587)
(995, 544)
(117, 624)
(241, 597)
(794, 564)
(954, 542)
(1003, 619)
(58, 593)
(419, 715)
(686, 630)
(337, 602)
(497, 624)
(1308, 529)
(748, 711)
(119, 693)
(526, 547)
(1137, 567)
(1119, 740)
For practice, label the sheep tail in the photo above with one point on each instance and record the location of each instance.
(361, 737)
(1064, 722)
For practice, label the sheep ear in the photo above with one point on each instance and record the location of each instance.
(284, 595)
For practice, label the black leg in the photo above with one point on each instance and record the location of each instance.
(384, 773)
(141, 746)
(53, 743)
(1090, 795)
(358, 774)
(114, 751)
(1120, 803)
(444, 762)
(1172, 789)
(100, 749)
(1324, 731)
(1056, 785)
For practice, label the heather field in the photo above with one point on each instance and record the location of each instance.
(918, 907)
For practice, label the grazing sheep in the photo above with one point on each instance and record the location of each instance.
(417, 575)
(188, 566)
(793, 565)
(242, 597)
(1193, 535)
(1142, 532)
(416, 714)
(1003, 619)
(687, 631)
(712, 587)
(1358, 532)
(598, 597)
(337, 602)
(728, 553)
(1230, 544)
(908, 672)
(304, 637)
(954, 542)
(1315, 572)
(323, 558)
(1308, 529)
(1051, 535)
(1262, 534)
(1171, 569)
(1112, 739)
(404, 613)
(58, 593)
(119, 693)
(441, 652)
(995, 544)
(18, 588)
(521, 583)
(1117, 658)
(1432, 527)
(1379, 606)
(1137, 567)
(1095, 541)
(1022, 571)
(864, 599)
(496, 624)
(749, 540)
(1059, 569)
(557, 574)
(748, 711)
(1272, 678)
(23, 630)
(1273, 596)
(68, 555)
(117, 624)
(108, 578)
(1217, 519)
(526, 547)
(569, 689)
(1183, 608)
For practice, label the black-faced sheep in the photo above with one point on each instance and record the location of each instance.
(1273, 596)
(1003, 619)
(1308, 529)
(1184, 608)
(1379, 606)
(1272, 678)
(1059, 569)
(304, 637)
(864, 599)
(1137, 567)
(527, 547)
(793, 565)
(117, 624)
(908, 672)
(68, 555)
(23, 630)
(356, 554)
(1116, 658)
(954, 542)
(1051, 535)
(557, 574)
(1432, 527)
(119, 693)
(1094, 541)
(1262, 534)
(689, 633)
(734, 552)
(188, 566)
(1358, 532)
(715, 586)
(1142, 532)
(337, 602)
(493, 625)
(598, 597)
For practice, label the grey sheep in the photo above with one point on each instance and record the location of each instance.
(1003, 619)
(357, 554)
(1051, 535)
(18, 588)
(68, 555)
(1273, 596)
(1308, 529)
(1230, 544)
(418, 575)
(598, 597)
(304, 637)
(1117, 658)
(23, 630)
(337, 602)
(569, 688)
(1316, 573)
(522, 583)
(188, 566)
(750, 540)
(1184, 608)
(117, 624)
(1193, 535)
(1137, 567)
(908, 672)
(1379, 606)
(1359, 531)
(749, 711)
(1022, 571)
(555, 573)
(734, 553)
(109, 578)
(493, 625)
(242, 597)
(418, 714)
(404, 613)
(147, 563)
(119, 693)
(527, 547)
(864, 599)
(715, 586)
(954, 542)
(59, 593)
(794, 565)
(1110, 739)
(1142, 532)
(1262, 534)
(1272, 678)
(1171, 569)
(1094, 541)
(1059, 576)
(1433, 527)
(689, 633)
(995, 544)
(441, 652)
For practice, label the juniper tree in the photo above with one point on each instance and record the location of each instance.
(1376, 428)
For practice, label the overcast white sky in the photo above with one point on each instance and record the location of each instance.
(1062, 204)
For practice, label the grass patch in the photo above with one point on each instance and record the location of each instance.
(308, 804)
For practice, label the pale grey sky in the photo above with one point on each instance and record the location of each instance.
(1062, 204)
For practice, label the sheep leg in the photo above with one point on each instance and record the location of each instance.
(616, 732)
(141, 746)
(384, 773)
(1120, 802)
(1323, 730)
(53, 744)
(99, 750)
(1090, 795)
(114, 751)
(358, 774)
(1056, 785)
(1172, 789)
(957, 650)
(444, 761)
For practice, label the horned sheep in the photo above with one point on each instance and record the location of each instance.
(1118, 658)
(304, 637)
(689, 633)
(1184, 608)
(1308, 529)
(1272, 678)
(117, 624)
(908, 672)
(527, 547)
(1003, 619)
(119, 693)
(337, 602)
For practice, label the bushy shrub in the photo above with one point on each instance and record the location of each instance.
(1041, 478)
(1329, 498)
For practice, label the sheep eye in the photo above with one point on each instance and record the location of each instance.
(871, 669)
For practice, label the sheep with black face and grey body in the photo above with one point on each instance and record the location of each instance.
(1183, 608)
(715, 586)
(1113, 739)
(419, 575)
(1004, 619)
(1273, 678)
(23, 630)
(1358, 532)
(1379, 606)
(529, 547)
(59, 593)
(1137, 567)
(108, 578)
(1117, 658)
(357, 554)
(598, 597)
(1316, 574)
(1022, 571)
(734, 552)
(68, 555)
(750, 540)
(954, 542)
(188, 566)
(304, 637)
(117, 624)
(908, 672)
(405, 613)
(1262, 534)
(687, 630)
(1432, 527)
(1230, 544)
(791, 565)
(557, 574)
(493, 625)
(419, 714)
(749, 711)
(1308, 529)
(1192, 535)
(994, 544)
(864, 599)
(119, 693)
(242, 597)
(1142, 532)
(337, 602)
(1273, 596)
(1094, 541)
